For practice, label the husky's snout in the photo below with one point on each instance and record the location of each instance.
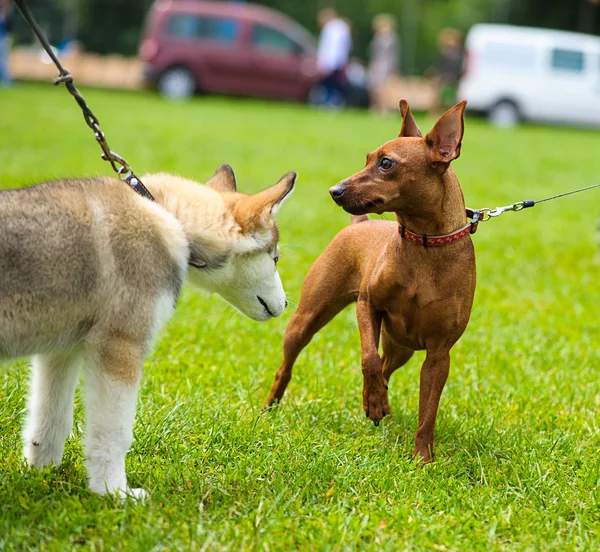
(271, 310)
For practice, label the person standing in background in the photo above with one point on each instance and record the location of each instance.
(384, 55)
(5, 79)
(335, 43)
(448, 68)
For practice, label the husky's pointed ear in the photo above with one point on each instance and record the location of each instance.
(409, 126)
(278, 194)
(445, 138)
(257, 211)
(223, 180)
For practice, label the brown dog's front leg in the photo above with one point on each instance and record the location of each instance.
(375, 399)
(434, 374)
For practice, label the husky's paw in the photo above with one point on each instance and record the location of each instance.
(40, 454)
(139, 495)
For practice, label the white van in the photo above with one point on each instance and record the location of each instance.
(521, 73)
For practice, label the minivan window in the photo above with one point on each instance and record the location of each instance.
(513, 56)
(187, 26)
(268, 39)
(567, 60)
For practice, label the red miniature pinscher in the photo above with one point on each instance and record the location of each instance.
(413, 280)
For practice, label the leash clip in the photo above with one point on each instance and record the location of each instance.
(488, 213)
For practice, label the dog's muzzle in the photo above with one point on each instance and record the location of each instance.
(337, 192)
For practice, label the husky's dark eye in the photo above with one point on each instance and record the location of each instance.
(386, 163)
(276, 259)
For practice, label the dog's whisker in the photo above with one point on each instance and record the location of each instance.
(233, 312)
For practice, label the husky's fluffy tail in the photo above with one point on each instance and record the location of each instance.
(355, 219)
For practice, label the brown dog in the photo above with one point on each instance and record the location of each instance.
(413, 280)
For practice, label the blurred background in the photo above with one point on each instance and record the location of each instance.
(512, 60)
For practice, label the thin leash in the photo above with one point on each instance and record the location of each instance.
(118, 163)
(485, 214)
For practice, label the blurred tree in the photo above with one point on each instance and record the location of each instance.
(112, 25)
(48, 14)
(102, 26)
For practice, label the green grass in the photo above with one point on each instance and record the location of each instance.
(517, 438)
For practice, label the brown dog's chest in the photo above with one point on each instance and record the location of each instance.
(425, 298)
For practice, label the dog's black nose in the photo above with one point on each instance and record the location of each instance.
(337, 191)
(286, 303)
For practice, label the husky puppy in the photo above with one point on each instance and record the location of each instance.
(90, 271)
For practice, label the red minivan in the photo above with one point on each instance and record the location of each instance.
(227, 48)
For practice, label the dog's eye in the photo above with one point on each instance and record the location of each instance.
(276, 259)
(386, 163)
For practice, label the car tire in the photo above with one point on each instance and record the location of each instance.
(505, 114)
(177, 83)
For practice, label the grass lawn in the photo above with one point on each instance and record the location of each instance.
(518, 433)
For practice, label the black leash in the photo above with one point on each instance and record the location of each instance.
(119, 165)
(568, 193)
(486, 213)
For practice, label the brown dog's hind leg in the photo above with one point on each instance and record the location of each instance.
(331, 284)
(434, 374)
(305, 323)
(394, 356)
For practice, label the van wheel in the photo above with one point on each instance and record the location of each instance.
(504, 114)
(177, 83)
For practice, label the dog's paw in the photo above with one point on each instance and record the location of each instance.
(423, 448)
(422, 455)
(40, 454)
(376, 406)
(139, 495)
(270, 404)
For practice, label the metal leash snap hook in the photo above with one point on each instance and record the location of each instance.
(500, 210)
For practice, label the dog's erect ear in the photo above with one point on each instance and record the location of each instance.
(409, 126)
(278, 194)
(223, 180)
(257, 211)
(445, 137)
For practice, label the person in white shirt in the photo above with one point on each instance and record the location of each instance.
(335, 43)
